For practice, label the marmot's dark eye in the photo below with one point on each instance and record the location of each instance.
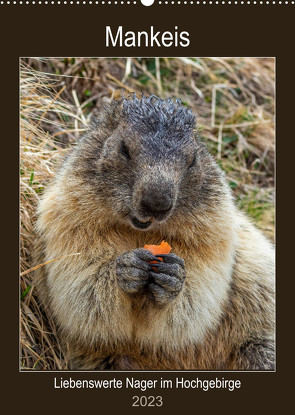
(124, 150)
(193, 162)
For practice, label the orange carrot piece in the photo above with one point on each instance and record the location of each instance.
(163, 248)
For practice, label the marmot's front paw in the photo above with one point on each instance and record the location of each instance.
(133, 270)
(168, 281)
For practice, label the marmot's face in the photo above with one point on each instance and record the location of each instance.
(151, 168)
(146, 175)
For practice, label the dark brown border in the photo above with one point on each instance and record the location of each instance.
(79, 31)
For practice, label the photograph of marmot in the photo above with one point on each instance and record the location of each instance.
(141, 175)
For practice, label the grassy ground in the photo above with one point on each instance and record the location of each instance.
(233, 99)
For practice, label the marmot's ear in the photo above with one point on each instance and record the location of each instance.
(107, 120)
(196, 135)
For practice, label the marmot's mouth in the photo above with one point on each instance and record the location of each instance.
(141, 224)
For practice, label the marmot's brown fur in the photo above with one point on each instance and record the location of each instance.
(140, 176)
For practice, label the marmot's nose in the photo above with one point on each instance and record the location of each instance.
(157, 204)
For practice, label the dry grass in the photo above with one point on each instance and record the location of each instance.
(234, 102)
(40, 151)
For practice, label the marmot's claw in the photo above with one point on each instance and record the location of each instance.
(167, 281)
(132, 270)
(164, 289)
(171, 270)
(172, 259)
(139, 269)
(171, 284)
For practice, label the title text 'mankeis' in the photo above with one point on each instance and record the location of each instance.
(149, 38)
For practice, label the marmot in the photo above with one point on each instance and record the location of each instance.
(141, 175)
